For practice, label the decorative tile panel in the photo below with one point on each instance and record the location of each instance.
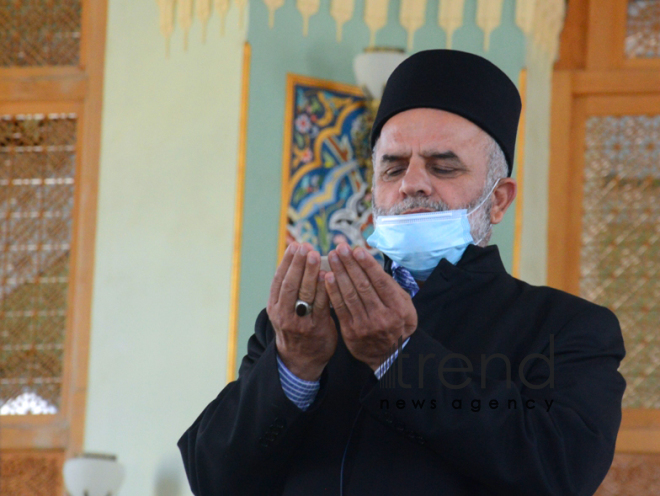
(40, 32)
(326, 177)
(643, 29)
(37, 166)
(620, 258)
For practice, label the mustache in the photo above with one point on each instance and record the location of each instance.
(411, 203)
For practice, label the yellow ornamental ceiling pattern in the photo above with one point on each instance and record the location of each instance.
(412, 15)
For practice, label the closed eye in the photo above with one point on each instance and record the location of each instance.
(441, 171)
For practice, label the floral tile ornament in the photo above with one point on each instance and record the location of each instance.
(326, 195)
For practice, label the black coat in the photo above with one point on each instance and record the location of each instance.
(558, 440)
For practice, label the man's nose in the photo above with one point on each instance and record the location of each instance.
(416, 181)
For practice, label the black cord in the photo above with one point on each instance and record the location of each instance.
(350, 435)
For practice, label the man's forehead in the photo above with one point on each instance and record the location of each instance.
(427, 131)
(426, 121)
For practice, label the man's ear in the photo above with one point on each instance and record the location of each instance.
(503, 196)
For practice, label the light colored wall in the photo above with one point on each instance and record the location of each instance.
(283, 49)
(534, 240)
(164, 241)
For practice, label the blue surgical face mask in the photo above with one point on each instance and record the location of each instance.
(419, 241)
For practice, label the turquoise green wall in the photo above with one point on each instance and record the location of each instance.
(278, 51)
(164, 241)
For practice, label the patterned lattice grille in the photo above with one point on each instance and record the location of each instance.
(31, 473)
(632, 475)
(620, 262)
(643, 29)
(37, 159)
(39, 32)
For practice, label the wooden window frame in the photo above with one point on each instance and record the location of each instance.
(593, 77)
(79, 90)
(607, 35)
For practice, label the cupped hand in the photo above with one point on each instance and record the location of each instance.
(373, 310)
(304, 344)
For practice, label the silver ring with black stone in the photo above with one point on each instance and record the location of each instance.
(303, 308)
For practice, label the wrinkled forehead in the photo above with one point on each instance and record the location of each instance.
(427, 131)
(424, 124)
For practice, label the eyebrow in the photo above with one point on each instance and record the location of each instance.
(448, 155)
(390, 158)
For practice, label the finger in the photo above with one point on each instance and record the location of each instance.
(348, 292)
(332, 290)
(321, 298)
(276, 285)
(384, 284)
(370, 299)
(309, 280)
(292, 279)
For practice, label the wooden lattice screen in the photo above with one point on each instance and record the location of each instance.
(632, 475)
(643, 29)
(40, 32)
(620, 259)
(33, 473)
(37, 157)
(51, 73)
(604, 216)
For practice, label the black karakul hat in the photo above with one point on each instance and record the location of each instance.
(461, 83)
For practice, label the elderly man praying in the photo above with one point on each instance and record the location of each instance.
(438, 373)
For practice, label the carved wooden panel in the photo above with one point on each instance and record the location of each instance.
(31, 473)
(632, 475)
(40, 32)
(37, 168)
